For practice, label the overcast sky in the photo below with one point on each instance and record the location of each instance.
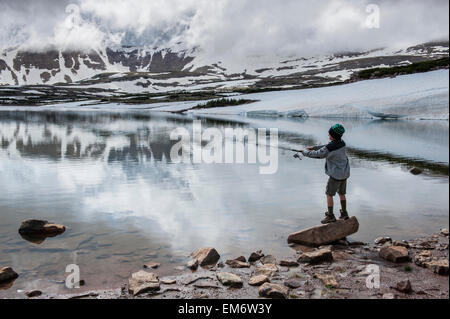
(243, 27)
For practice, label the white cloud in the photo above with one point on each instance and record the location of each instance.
(224, 27)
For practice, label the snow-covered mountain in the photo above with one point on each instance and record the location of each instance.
(132, 69)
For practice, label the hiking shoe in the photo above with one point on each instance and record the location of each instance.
(344, 215)
(329, 219)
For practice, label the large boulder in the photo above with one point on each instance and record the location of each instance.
(206, 256)
(395, 254)
(439, 267)
(7, 274)
(325, 234)
(317, 256)
(142, 282)
(35, 227)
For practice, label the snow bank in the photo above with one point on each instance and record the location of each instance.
(416, 96)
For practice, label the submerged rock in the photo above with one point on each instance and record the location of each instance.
(289, 263)
(192, 264)
(40, 227)
(36, 231)
(7, 274)
(416, 171)
(395, 254)
(273, 291)
(294, 283)
(142, 282)
(152, 265)
(325, 234)
(206, 256)
(383, 240)
(267, 270)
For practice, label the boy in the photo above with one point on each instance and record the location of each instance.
(337, 167)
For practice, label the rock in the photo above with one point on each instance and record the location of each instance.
(389, 296)
(241, 258)
(328, 280)
(168, 281)
(422, 258)
(7, 274)
(383, 240)
(289, 263)
(273, 291)
(40, 227)
(237, 264)
(258, 280)
(269, 259)
(152, 265)
(33, 293)
(404, 286)
(267, 270)
(192, 264)
(400, 243)
(142, 282)
(206, 256)
(315, 257)
(439, 267)
(255, 256)
(294, 283)
(325, 234)
(231, 280)
(444, 232)
(395, 254)
(416, 171)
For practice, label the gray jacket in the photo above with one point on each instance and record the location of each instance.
(337, 165)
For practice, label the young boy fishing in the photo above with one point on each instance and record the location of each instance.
(337, 167)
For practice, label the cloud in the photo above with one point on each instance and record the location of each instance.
(224, 27)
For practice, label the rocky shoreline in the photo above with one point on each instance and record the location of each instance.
(386, 269)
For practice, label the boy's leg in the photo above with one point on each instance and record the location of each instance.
(331, 192)
(343, 197)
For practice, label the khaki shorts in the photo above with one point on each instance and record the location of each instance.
(334, 186)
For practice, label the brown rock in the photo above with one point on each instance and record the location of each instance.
(439, 267)
(444, 232)
(152, 265)
(33, 293)
(258, 280)
(40, 227)
(237, 264)
(206, 256)
(241, 258)
(395, 254)
(318, 256)
(273, 291)
(404, 286)
(192, 264)
(383, 240)
(231, 280)
(267, 270)
(422, 258)
(328, 280)
(289, 263)
(325, 234)
(142, 282)
(255, 256)
(7, 274)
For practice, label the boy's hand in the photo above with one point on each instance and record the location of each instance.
(310, 149)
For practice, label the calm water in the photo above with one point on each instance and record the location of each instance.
(108, 178)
